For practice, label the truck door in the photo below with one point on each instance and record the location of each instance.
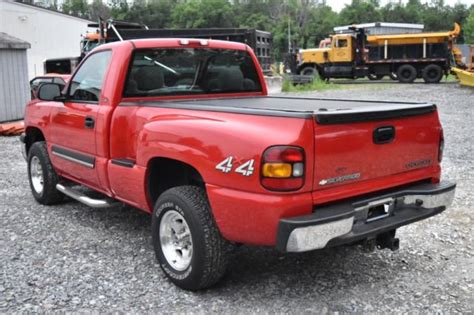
(73, 122)
(341, 49)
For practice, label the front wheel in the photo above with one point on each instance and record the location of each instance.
(188, 245)
(42, 176)
(309, 71)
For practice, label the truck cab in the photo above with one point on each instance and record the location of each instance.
(341, 50)
(338, 52)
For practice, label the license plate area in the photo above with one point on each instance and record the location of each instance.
(379, 210)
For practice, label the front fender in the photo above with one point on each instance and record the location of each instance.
(37, 115)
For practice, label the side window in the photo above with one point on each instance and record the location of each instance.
(342, 43)
(87, 82)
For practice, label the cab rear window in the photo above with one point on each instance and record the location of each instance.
(157, 72)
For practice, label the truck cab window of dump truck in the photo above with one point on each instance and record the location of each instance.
(88, 45)
(341, 43)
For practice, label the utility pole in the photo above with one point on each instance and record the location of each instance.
(289, 35)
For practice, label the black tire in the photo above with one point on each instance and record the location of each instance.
(210, 251)
(375, 77)
(310, 71)
(406, 74)
(432, 73)
(49, 195)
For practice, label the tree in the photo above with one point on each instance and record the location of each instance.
(97, 9)
(459, 14)
(399, 13)
(203, 13)
(321, 23)
(76, 7)
(437, 16)
(360, 11)
(415, 11)
(309, 20)
(119, 9)
(159, 13)
(469, 28)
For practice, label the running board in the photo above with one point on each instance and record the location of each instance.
(88, 201)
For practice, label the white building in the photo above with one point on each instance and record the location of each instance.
(51, 34)
(383, 28)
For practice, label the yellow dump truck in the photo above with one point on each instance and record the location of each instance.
(404, 57)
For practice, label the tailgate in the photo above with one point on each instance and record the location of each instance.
(374, 142)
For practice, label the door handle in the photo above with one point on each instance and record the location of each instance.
(89, 122)
(384, 134)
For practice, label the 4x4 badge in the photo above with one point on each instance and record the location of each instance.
(245, 169)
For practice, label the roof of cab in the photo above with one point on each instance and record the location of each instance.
(178, 42)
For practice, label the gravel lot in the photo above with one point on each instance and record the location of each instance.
(74, 258)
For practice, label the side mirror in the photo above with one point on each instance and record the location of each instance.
(49, 91)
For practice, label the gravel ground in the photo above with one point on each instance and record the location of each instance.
(74, 258)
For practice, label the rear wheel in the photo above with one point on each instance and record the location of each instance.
(406, 74)
(42, 176)
(432, 73)
(188, 245)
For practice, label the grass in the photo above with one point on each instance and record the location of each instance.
(450, 78)
(316, 85)
(344, 84)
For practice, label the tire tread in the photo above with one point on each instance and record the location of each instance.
(217, 249)
(50, 195)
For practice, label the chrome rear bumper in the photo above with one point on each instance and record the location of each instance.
(361, 219)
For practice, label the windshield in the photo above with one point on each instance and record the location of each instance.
(157, 72)
(88, 45)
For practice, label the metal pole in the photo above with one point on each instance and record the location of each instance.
(289, 35)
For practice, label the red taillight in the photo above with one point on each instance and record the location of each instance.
(283, 154)
(441, 146)
(283, 168)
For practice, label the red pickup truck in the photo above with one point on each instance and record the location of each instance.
(184, 129)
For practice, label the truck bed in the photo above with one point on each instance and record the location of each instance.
(325, 111)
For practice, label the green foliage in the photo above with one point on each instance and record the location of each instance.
(316, 85)
(76, 7)
(360, 11)
(469, 28)
(203, 13)
(98, 9)
(310, 21)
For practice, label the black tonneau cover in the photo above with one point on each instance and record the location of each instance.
(325, 111)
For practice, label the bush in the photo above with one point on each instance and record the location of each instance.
(316, 85)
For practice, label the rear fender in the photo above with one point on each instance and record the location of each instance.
(204, 140)
(243, 210)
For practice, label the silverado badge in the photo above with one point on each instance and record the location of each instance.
(339, 179)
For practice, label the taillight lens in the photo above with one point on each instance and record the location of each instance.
(441, 146)
(283, 168)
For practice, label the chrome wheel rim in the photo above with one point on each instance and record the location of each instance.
(176, 240)
(36, 173)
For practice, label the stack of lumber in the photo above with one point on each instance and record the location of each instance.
(12, 128)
